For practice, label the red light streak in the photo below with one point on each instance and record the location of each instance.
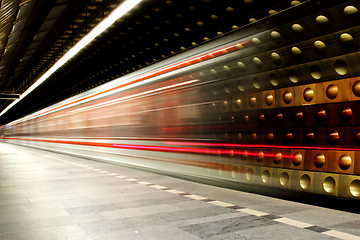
(230, 152)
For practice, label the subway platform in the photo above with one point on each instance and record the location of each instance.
(44, 195)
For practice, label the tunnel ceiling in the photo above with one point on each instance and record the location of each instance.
(36, 33)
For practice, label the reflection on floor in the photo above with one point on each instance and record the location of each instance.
(51, 196)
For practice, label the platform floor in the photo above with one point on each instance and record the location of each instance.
(51, 196)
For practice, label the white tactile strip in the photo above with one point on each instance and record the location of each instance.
(158, 187)
(175, 191)
(195, 197)
(284, 220)
(144, 183)
(341, 235)
(131, 179)
(294, 223)
(121, 177)
(252, 212)
(221, 204)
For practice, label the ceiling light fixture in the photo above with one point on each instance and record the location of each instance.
(117, 13)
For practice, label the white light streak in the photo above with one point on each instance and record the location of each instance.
(105, 104)
(117, 13)
(99, 105)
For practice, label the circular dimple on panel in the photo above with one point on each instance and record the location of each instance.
(240, 86)
(321, 114)
(256, 82)
(320, 47)
(239, 46)
(252, 20)
(345, 162)
(225, 105)
(256, 42)
(299, 116)
(265, 176)
(277, 158)
(275, 36)
(270, 138)
(355, 188)
(279, 117)
(226, 68)
(260, 157)
(329, 184)
(246, 119)
(224, 51)
(214, 17)
(340, 67)
(295, 2)
(253, 137)
(322, 21)
(356, 88)
(272, 12)
(319, 160)
(297, 159)
(269, 99)
(296, 52)
(238, 103)
(227, 88)
(346, 114)
(357, 138)
(351, 12)
(347, 40)
(308, 94)
(305, 181)
(293, 76)
(213, 72)
(274, 79)
(284, 179)
(230, 9)
(239, 136)
(333, 137)
(275, 57)
(214, 91)
(310, 138)
(249, 174)
(258, 63)
(235, 173)
(262, 117)
(252, 101)
(315, 72)
(332, 91)
(298, 30)
(289, 137)
(287, 97)
(241, 66)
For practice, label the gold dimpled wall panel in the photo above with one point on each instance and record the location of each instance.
(295, 102)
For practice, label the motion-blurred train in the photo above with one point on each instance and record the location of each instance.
(272, 106)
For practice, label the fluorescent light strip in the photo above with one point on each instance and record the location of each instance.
(117, 13)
